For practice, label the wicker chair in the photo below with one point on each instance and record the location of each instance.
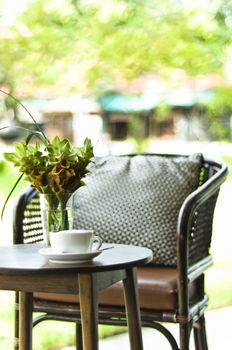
(173, 294)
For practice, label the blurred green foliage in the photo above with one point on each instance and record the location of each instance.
(8, 177)
(2, 166)
(218, 114)
(106, 42)
(93, 46)
(228, 160)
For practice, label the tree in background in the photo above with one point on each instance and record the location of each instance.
(107, 41)
(218, 114)
(93, 46)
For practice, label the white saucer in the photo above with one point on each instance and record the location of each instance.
(68, 258)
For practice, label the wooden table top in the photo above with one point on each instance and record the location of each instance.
(22, 258)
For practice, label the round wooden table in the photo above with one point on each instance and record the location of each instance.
(23, 269)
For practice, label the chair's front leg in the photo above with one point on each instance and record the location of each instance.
(88, 295)
(25, 320)
(200, 336)
(132, 309)
(184, 336)
(79, 342)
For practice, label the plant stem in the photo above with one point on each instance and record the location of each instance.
(31, 116)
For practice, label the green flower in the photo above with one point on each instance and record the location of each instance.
(52, 167)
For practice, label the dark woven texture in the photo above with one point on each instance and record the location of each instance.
(32, 225)
(136, 200)
(202, 224)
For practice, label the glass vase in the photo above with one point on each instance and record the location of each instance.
(57, 213)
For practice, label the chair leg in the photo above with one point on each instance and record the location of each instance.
(79, 343)
(200, 337)
(184, 336)
(16, 321)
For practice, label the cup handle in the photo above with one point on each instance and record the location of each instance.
(97, 242)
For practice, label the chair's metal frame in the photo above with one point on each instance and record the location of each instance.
(194, 232)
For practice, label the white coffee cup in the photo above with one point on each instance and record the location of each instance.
(75, 241)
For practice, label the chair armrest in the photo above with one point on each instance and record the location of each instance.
(205, 195)
(192, 203)
(199, 268)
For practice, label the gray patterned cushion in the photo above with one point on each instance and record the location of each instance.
(136, 200)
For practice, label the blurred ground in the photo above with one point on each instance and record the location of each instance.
(218, 329)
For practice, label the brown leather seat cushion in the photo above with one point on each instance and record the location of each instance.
(157, 290)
